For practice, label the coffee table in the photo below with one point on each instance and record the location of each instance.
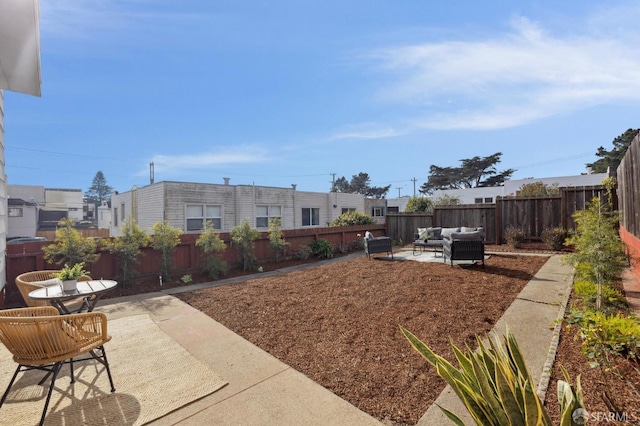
(420, 245)
(91, 291)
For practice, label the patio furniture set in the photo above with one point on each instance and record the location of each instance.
(53, 330)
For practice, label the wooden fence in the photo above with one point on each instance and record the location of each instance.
(530, 214)
(629, 188)
(188, 258)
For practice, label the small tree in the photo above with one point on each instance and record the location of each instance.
(165, 240)
(70, 246)
(212, 246)
(538, 188)
(419, 204)
(446, 200)
(244, 236)
(276, 238)
(99, 190)
(127, 248)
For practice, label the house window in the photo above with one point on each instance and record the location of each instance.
(477, 200)
(115, 216)
(310, 217)
(488, 200)
(377, 211)
(348, 210)
(198, 215)
(15, 212)
(265, 213)
(122, 212)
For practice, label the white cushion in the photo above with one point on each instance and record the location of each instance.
(49, 282)
(368, 235)
(421, 233)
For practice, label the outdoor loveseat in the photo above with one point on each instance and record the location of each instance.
(464, 245)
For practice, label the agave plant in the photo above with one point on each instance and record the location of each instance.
(495, 385)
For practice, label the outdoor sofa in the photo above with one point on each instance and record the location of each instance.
(468, 244)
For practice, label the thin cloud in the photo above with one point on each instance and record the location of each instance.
(366, 131)
(177, 164)
(511, 80)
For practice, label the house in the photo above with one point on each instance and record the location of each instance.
(188, 206)
(22, 218)
(19, 72)
(104, 215)
(511, 187)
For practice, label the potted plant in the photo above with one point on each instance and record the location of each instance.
(69, 275)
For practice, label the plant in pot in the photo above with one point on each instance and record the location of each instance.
(69, 275)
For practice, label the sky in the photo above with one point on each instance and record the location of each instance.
(303, 92)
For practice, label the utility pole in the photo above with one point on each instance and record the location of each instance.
(414, 180)
(399, 191)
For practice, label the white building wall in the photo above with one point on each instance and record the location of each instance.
(469, 195)
(30, 193)
(3, 202)
(593, 179)
(271, 196)
(150, 206)
(25, 225)
(120, 204)
(104, 216)
(65, 199)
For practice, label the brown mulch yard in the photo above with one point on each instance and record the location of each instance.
(338, 323)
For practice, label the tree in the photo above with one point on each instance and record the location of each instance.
(277, 242)
(165, 240)
(360, 184)
(473, 173)
(244, 237)
(127, 248)
(70, 246)
(538, 188)
(614, 157)
(419, 204)
(213, 247)
(99, 191)
(446, 200)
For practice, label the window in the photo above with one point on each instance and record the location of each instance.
(15, 211)
(115, 216)
(477, 200)
(198, 215)
(122, 212)
(264, 213)
(377, 211)
(488, 200)
(310, 217)
(348, 210)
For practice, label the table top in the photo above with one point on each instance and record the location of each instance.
(84, 288)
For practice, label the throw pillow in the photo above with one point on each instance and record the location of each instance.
(422, 233)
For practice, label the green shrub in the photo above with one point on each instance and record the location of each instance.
(554, 238)
(213, 247)
(70, 246)
(605, 335)
(303, 252)
(277, 244)
(322, 249)
(419, 204)
(612, 299)
(165, 240)
(352, 218)
(514, 237)
(127, 247)
(244, 237)
(495, 385)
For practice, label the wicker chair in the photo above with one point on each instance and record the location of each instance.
(28, 282)
(42, 339)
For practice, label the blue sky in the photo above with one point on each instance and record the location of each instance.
(283, 92)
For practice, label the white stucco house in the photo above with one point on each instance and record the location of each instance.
(188, 206)
(19, 72)
(510, 187)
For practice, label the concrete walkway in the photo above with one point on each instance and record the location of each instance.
(264, 391)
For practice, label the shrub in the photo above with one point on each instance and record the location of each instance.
(127, 249)
(419, 204)
(276, 238)
(244, 237)
(352, 218)
(212, 246)
(322, 249)
(554, 238)
(303, 252)
(495, 385)
(70, 246)
(514, 237)
(165, 240)
(604, 335)
(612, 299)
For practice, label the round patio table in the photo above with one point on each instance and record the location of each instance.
(91, 291)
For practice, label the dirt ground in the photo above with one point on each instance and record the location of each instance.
(338, 323)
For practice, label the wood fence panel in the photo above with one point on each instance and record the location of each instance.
(628, 175)
(403, 226)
